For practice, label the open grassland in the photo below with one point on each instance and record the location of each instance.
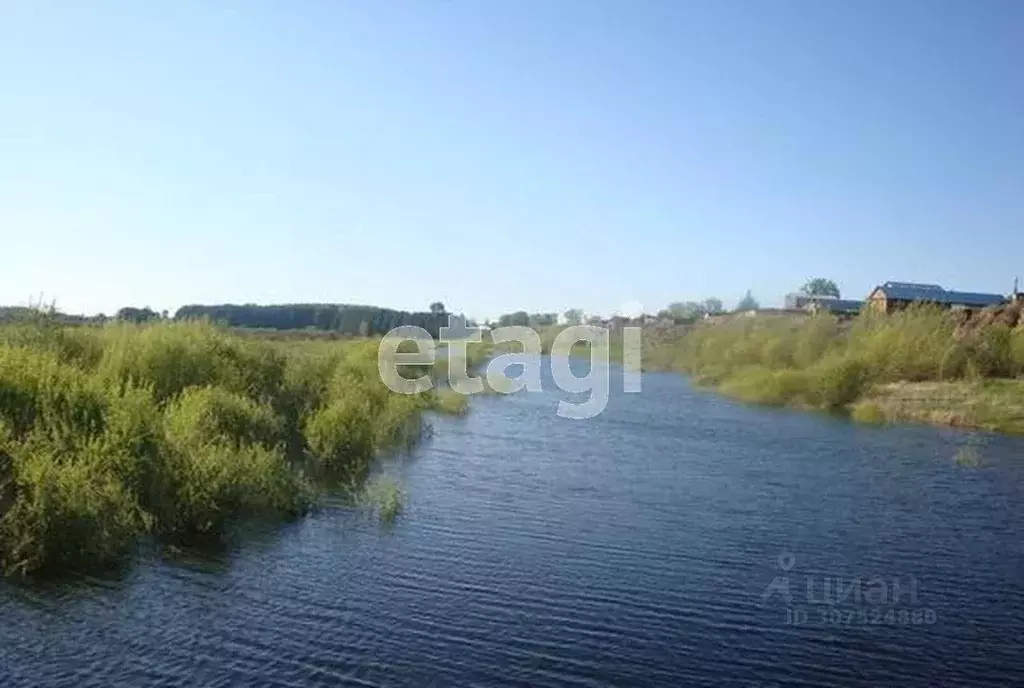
(175, 430)
(922, 364)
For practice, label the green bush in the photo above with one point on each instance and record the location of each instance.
(203, 414)
(135, 449)
(1017, 350)
(385, 495)
(451, 402)
(910, 345)
(64, 508)
(342, 433)
(994, 351)
(867, 412)
(107, 433)
(174, 356)
(839, 381)
(400, 423)
(764, 386)
(818, 361)
(219, 482)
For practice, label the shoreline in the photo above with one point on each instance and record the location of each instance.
(920, 365)
(989, 405)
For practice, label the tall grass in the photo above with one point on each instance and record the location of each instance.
(383, 495)
(825, 363)
(175, 429)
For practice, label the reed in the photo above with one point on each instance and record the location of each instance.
(173, 429)
(868, 366)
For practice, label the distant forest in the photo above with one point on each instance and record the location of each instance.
(343, 318)
(327, 317)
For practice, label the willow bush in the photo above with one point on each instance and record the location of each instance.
(173, 429)
(825, 363)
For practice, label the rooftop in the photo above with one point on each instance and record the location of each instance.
(840, 304)
(909, 291)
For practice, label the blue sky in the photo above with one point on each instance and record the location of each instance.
(505, 155)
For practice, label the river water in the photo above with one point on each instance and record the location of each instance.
(677, 539)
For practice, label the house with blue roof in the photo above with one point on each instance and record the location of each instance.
(892, 296)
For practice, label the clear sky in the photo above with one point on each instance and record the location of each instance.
(506, 154)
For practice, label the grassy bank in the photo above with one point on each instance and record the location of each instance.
(996, 405)
(922, 364)
(613, 352)
(175, 430)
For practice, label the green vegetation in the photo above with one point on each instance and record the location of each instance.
(987, 404)
(748, 303)
(328, 317)
(866, 411)
(574, 316)
(923, 364)
(689, 312)
(302, 319)
(524, 319)
(383, 495)
(451, 402)
(820, 286)
(968, 456)
(175, 430)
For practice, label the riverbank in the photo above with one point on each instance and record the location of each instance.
(582, 537)
(996, 405)
(919, 365)
(178, 430)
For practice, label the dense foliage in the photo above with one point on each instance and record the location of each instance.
(683, 312)
(748, 303)
(524, 319)
(138, 315)
(347, 319)
(821, 286)
(826, 363)
(176, 429)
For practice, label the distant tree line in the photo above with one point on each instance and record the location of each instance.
(139, 315)
(524, 319)
(23, 314)
(333, 317)
(688, 311)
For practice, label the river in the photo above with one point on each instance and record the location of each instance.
(677, 539)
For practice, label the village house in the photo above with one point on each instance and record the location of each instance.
(798, 300)
(893, 296)
(834, 306)
(822, 304)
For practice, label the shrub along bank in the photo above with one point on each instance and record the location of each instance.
(175, 430)
(923, 363)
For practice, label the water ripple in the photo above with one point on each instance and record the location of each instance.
(632, 549)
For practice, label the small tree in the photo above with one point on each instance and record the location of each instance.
(437, 308)
(748, 303)
(519, 318)
(542, 319)
(573, 316)
(819, 286)
(683, 311)
(713, 306)
(137, 315)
